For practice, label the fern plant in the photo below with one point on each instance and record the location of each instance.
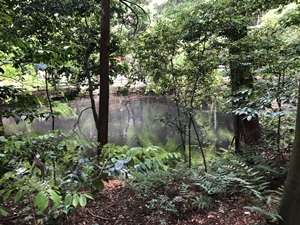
(230, 178)
(203, 202)
(169, 190)
(165, 203)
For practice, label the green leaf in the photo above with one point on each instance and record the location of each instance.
(54, 196)
(89, 196)
(82, 200)
(1, 192)
(11, 148)
(148, 163)
(98, 184)
(6, 149)
(17, 145)
(156, 164)
(68, 200)
(3, 139)
(3, 212)
(41, 201)
(19, 195)
(7, 194)
(119, 165)
(75, 200)
(134, 151)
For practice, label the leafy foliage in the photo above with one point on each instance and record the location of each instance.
(231, 178)
(119, 160)
(189, 47)
(33, 167)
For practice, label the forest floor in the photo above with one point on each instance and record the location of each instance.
(117, 204)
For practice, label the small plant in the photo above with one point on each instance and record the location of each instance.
(270, 217)
(168, 190)
(265, 209)
(203, 202)
(165, 203)
(117, 158)
(231, 177)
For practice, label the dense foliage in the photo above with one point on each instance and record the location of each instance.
(239, 56)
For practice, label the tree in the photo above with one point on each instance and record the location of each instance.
(104, 74)
(13, 98)
(273, 54)
(173, 61)
(290, 203)
(63, 41)
(6, 17)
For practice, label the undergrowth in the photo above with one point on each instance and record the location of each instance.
(183, 189)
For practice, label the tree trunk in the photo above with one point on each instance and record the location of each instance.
(290, 203)
(104, 74)
(50, 101)
(2, 133)
(90, 83)
(240, 76)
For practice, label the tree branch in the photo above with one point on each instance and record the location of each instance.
(126, 3)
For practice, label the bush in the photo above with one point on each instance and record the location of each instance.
(35, 174)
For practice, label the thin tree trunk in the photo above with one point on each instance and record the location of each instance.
(88, 75)
(290, 203)
(200, 145)
(104, 75)
(191, 118)
(279, 103)
(2, 133)
(50, 102)
(182, 131)
(190, 141)
(90, 83)
(214, 109)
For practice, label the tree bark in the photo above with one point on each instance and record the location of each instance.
(104, 74)
(240, 76)
(2, 133)
(290, 203)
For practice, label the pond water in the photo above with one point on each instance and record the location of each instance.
(134, 121)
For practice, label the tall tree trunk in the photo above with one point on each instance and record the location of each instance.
(240, 76)
(104, 74)
(290, 203)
